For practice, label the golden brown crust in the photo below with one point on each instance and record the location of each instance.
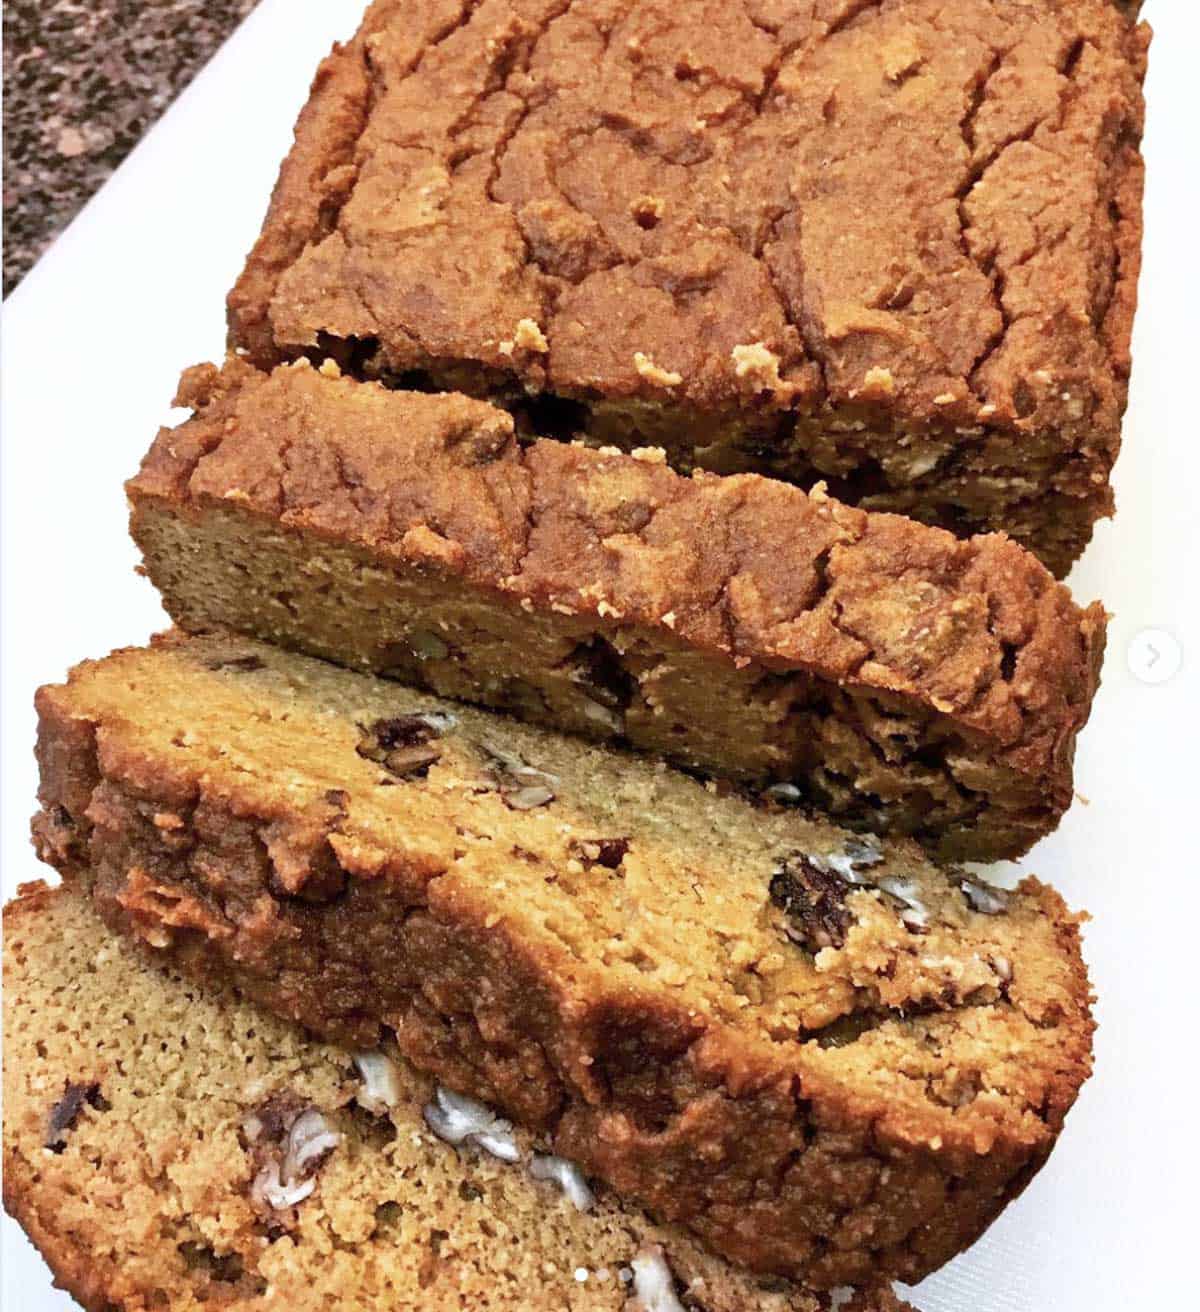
(852, 1088)
(930, 302)
(944, 680)
(319, 172)
(148, 1201)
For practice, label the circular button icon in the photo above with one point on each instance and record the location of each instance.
(1154, 656)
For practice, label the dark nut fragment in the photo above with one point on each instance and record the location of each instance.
(607, 852)
(241, 664)
(813, 900)
(269, 1122)
(853, 866)
(65, 1112)
(403, 745)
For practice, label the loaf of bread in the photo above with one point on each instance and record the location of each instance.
(170, 1147)
(892, 245)
(828, 1058)
(903, 680)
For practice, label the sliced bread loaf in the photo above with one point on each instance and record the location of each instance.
(829, 1058)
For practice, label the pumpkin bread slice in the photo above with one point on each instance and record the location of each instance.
(901, 679)
(827, 1057)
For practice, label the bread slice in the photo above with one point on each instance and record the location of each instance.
(903, 680)
(830, 1059)
(143, 1155)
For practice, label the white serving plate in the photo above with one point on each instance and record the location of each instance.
(96, 335)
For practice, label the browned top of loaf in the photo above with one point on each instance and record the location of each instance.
(708, 204)
(742, 566)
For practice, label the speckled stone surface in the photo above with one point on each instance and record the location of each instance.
(83, 80)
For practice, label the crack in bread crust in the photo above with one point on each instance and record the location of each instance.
(669, 1098)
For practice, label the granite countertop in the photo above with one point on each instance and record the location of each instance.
(83, 80)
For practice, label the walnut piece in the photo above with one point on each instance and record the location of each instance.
(403, 745)
(813, 898)
(65, 1112)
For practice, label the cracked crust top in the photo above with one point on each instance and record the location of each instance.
(974, 636)
(777, 204)
(827, 1057)
(146, 1198)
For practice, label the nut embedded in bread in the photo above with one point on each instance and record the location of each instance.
(155, 1197)
(901, 679)
(684, 994)
(892, 245)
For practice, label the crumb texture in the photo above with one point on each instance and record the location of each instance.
(894, 243)
(685, 995)
(902, 679)
(148, 1199)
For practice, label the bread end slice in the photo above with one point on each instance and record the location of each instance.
(141, 1113)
